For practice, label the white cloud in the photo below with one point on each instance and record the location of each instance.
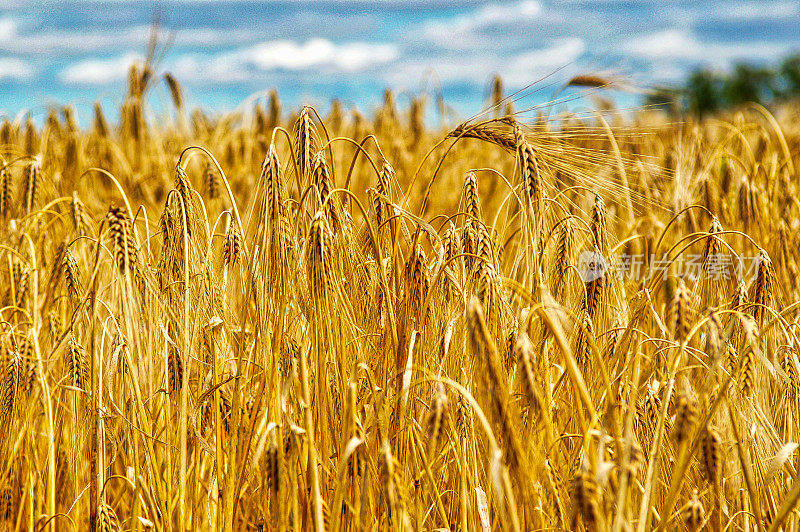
(15, 69)
(135, 36)
(517, 70)
(669, 54)
(561, 53)
(99, 71)
(318, 53)
(249, 62)
(751, 10)
(8, 29)
(462, 31)
(676, 44)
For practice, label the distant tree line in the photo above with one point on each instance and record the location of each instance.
(706, 91)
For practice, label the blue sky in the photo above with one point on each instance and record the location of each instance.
(223, 51)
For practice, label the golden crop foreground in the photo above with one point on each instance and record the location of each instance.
(364, 323)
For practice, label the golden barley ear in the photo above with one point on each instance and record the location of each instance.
(12, 366)
(711, 455)
(685, 413)
(680, 311)
(533, 185)
(31, 180)
(106, 519)
(121, 230)
(211, 181)
(694, 515)
(72, 280)
(585, 496)
(77, 365)
(763, 293)
(232, 245)
(436, 419)
(318, 249)
(306, 142)
(5, 192)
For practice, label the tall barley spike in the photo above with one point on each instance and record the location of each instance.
(584, 338)
(317, 255)
(764, 287)
(596, 285)
(273, 181)
(385, 178)
(232, 245)
(78, 211)
(305, 136)
(31, 176)
(524, 356)
(10, 386)
(599, 224)
(77, 365)
(680, 312)
(563, 259)
(174, 363)
(5, 192)
(685, 413)
(711, 455)
(184, 188)
(121, 231)
(436, 418)
(472, 204)
(529, 169)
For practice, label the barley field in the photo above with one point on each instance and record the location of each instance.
(277, 320)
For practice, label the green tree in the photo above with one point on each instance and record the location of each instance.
(748, 83)
(703, 92)
(790, 76)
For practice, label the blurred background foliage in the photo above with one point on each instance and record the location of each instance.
(706, 91)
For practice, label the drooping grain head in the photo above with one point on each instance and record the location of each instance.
(175, 90)
(211, 181)
(693, 513)
(584, 496)
(106, 519)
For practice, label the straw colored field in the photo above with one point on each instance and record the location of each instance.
(266, 322)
